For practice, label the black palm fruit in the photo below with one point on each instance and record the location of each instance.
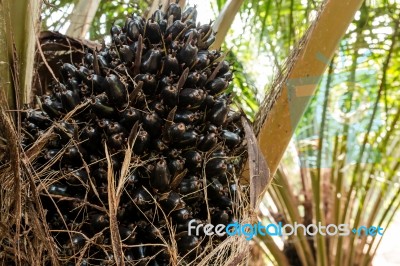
(158, 87)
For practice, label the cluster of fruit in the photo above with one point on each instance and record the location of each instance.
(159, 88)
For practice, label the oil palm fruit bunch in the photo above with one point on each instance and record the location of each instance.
(157, 89)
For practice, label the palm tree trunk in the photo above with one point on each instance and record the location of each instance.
(19, 25)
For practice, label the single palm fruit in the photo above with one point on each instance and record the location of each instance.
(158, 87)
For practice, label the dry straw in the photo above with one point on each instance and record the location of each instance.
(25, 235)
